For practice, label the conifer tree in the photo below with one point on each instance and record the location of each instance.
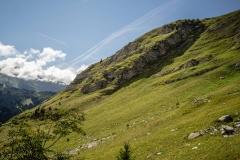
(125, 154)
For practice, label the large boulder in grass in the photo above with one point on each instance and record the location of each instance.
(225, 118)
(227, 130)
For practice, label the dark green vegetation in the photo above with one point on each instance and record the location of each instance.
(125, 154)
(172, 81)
(14, 101)
(32, 144)
(31, 85)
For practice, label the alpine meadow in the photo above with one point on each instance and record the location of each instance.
(172, 93)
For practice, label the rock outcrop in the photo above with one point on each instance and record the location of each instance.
(228, 130)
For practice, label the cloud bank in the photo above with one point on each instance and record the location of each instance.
(31, 64)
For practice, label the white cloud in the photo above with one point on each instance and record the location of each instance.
(7, 50)
(20, 66)
(50, 55)
(82, 68)
(32, 51)
(64, 75)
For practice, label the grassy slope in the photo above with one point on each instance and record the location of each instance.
(145, 110)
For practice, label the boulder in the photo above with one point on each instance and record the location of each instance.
(194, 135)
(227, 130)
(225, 118)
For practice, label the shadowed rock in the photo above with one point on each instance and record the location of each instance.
(225, 118)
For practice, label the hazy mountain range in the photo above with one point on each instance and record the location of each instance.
(32, 85)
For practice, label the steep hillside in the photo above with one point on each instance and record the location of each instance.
(147, 54)
(14, 101)
(31, 85)
(157, 93)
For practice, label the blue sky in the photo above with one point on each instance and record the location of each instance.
(53, 40)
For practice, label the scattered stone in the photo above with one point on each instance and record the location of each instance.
(149, 156)
(92, 144)
(202, 132)
(191, 63)
(198, 100)
(194, 135)
(227, 130)
(175, 129)
(195, 147)
(225, 118)
(237, 124)
(237, 65)
(159, 153)
(212, 129)
(74, 151)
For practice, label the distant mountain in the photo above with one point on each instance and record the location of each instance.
(14, 101)
(31, 85)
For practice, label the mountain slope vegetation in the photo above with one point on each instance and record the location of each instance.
(175, 80)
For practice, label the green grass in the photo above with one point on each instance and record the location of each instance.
(160, 103)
